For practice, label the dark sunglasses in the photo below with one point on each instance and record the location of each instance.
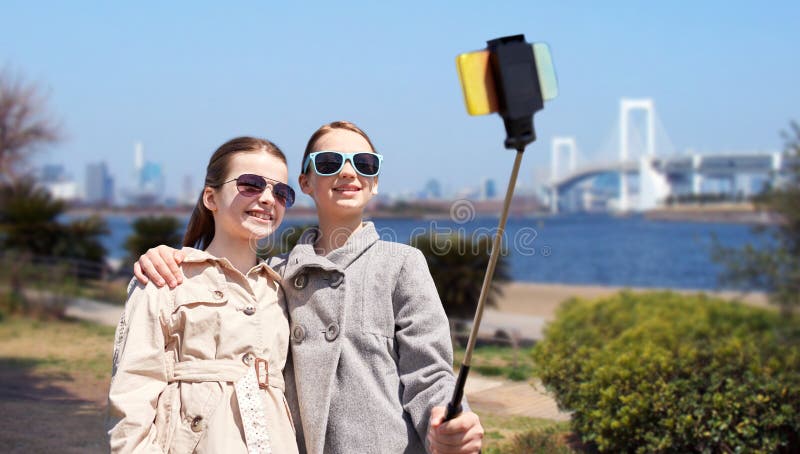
(250, 185)
(327, 163)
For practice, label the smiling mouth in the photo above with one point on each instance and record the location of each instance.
(347, 189)
(261, 215)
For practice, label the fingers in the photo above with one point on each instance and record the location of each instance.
(162, 263)
(150, 271)
(140, 276)
(171, 258)
(437, 415)
(463, 434)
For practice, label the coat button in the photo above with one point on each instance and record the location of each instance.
(337, 280)
(249, 310)
(332, 332)
(300, 281)
(218, 294)
(197, 424)
(298, 333)
(248, 358)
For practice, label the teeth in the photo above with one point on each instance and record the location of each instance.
(260, 215)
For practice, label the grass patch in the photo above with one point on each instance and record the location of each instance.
(56, 347)
(513, 364)
(503, 432)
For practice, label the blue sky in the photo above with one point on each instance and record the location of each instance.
(183, 77)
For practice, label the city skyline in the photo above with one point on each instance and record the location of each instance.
(182, 79)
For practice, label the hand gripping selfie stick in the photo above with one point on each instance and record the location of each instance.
(513, 78)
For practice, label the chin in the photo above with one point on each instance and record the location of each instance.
(260, 231)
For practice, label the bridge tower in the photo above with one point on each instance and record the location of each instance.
(558, 144)
(626, 106)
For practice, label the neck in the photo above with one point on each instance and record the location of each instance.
(334, 233)
(237, 251)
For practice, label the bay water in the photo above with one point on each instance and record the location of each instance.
(629, 251)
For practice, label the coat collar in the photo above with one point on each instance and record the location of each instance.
(192, 255)
(303, 254)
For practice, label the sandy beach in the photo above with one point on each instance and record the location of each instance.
(542, 300)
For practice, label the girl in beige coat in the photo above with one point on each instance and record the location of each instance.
(200, 368)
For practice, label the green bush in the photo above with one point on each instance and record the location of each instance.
(663, 372)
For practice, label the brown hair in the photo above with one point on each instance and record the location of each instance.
(200, 231)
(324, 129)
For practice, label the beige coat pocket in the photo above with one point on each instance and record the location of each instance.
(198, 401)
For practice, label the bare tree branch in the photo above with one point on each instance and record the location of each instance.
(25, 124)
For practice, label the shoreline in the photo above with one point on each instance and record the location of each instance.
(542, 299)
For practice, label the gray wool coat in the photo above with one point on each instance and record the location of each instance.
(370, 350)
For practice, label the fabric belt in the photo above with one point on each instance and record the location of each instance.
(248, 385)
(228, 370)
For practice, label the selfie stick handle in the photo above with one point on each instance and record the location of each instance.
(454, 407)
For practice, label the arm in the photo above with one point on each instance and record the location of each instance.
(138, 372)
(425, 360)
(161, 265)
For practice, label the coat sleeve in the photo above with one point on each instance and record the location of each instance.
(425, 352)
(138, 371)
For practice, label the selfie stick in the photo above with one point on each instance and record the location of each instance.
(512, 71)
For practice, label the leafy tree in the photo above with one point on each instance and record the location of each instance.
(152, 231)
(458, 265)
(24, 124)
(29, 227)
(774, 266)
(28, 218)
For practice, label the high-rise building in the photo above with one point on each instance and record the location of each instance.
(148, 188)
(53, 173)
(58, 183)
(188, 193)
(432, 190)
(151, 179)
(488, 190)
(99, 184)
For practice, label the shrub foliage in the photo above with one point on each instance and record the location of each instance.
(458, 263)
(663, 372)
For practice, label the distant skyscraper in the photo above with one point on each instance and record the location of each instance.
(151, 179)
(58, 183)
(148, 179)
(99, 184)
(53, 173)
(488, 190)
(432, 190)
(138, 156)
(188, 196)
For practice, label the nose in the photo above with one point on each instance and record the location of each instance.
(348, 170)
(266, 196)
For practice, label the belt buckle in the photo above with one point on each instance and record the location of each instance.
(262, 373)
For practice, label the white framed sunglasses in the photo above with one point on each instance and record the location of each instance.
(326, 163)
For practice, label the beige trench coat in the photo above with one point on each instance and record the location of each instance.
(178, 353)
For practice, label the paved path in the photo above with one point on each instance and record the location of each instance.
(94, 311)
(511, 398)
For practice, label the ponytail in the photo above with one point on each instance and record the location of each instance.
(200, 230)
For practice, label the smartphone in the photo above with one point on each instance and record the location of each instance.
(477, 82)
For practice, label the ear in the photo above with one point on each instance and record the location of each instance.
(209, 199)
(375, 187)
(305, 183)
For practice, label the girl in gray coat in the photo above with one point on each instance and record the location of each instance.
(370, 366)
